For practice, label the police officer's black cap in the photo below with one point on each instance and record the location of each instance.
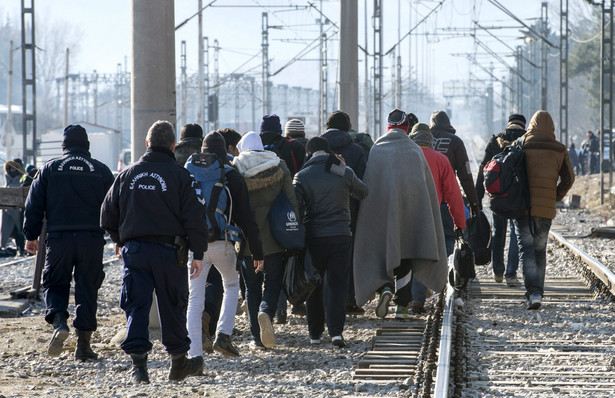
(75, 135)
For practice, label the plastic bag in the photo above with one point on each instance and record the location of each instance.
(300, 278)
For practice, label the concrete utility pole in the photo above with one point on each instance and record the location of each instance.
(153, 68)
(184, 85)
(28, 80)
(206, 115)
(7, 138)
(213, 115)
(366, 88)
(348, 100)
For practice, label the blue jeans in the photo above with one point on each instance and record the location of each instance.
(533, 251)
(500, 224)
(259, 298)
(331, 258)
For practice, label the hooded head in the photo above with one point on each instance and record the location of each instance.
(421, 135)
(397, 119)
(439, 120)
(338, 120)
(271, 123)
(294, 128)
(516, 120)
(316, 144)
(542, 123)
(191, 130)
(250, 142)
(75, 135)
(214, 143)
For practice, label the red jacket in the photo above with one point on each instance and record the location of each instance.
(446, 184)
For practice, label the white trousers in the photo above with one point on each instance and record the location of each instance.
(221, 255)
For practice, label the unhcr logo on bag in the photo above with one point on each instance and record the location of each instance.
(292, 224)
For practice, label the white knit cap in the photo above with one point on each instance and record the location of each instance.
(294, 127)
(250, 141)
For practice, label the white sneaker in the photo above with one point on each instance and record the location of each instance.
(315, 341)
(382, 309)
(267, 333)
(513, 282)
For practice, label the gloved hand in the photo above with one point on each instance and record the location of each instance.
(474, 209)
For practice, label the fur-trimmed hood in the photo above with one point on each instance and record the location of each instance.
(251, 163)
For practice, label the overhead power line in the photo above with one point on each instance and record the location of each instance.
(415, 26)
(513, 16)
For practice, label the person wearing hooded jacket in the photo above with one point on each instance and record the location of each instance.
(68, 192)
(222, 255)
(448, 143)
(190, 140)
(266, 176)
(496, 144)
(341, 142)
(550, 177)
(324, 187)
(288, 149)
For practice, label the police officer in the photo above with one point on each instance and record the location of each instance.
(68, 192)
(152, 211)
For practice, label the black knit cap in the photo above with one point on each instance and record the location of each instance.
(75, 135)
(338, 120)
(214, 143)
(412, 119)
(271, 123)
(316, 144)
(517, 118)
(397, 117)
(191, 130)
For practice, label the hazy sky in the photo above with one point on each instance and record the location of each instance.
(105, 29)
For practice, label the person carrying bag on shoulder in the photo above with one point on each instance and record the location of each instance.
(267, 178)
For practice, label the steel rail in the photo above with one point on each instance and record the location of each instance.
(604, 274)
(446, 341)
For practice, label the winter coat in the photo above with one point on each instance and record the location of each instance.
(446, 184)
(266, 176)
(341, 143)
(185, 148)
(400, 219)
(68, 192)
(496, 144)
(323, 196)
(446, 142)
(547, 162)
(155, 197)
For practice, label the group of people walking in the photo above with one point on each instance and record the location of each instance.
(377, 220)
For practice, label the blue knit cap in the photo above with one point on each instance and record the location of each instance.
(271, 123)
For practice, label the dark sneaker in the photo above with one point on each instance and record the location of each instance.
(60, 334)
(499, 278)
(315, 340)
(338, 341)
(382, 309)
(266, 329)
(257, 345)
(224, 345)
(139, 369)
(534, 301)
(354, 310)
(182, 367)
(280, 317)
(513, 282)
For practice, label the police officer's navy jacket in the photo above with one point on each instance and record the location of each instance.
(68, 191)
(155, 197)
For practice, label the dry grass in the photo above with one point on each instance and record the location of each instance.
(588, 188)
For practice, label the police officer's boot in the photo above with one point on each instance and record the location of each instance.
(83, 351)
(182, 367)
(139, 368)
(54, 349)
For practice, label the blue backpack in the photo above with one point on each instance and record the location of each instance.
(210, 172)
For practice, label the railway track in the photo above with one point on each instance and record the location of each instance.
(494, 346)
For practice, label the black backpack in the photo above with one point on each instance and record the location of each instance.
(506, 182)
(463, 261)
(284, 150)
(478, 234)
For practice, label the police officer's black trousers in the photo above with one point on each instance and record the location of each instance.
(83, 252)
(148, 267)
